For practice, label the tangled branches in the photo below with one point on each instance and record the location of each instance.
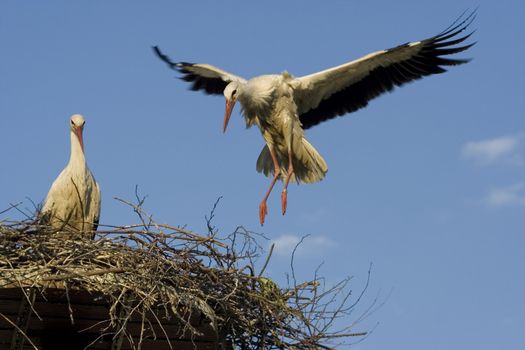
(150, 267)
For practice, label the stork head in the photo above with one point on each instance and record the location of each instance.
(230, 93)
(76, 124)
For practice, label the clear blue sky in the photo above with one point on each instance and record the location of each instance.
(427, 183)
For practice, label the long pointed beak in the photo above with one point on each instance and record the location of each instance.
(227, 114)
(78, 132)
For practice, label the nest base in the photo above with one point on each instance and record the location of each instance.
(56, 318)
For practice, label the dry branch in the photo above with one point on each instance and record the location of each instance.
(152, 267)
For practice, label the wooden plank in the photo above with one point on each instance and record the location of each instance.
(83, 300)
(22, 320)
(147, 344)
(9, 307)
(61, 318)
(91, 313)
(57, 295)
(123, 316)
(10, 293)
(152, 328)
(51, 324)
(175, 345)
(44, 309)
(5, 336)
(172, 331)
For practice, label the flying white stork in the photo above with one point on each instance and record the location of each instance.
(282, 106)
(73, 201)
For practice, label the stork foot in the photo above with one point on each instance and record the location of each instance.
(284, 200)
(263, 210)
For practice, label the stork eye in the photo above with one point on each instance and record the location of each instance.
(234, 92)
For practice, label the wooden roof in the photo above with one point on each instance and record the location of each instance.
(54, 319)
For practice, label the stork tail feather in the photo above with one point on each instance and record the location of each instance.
(309, 165)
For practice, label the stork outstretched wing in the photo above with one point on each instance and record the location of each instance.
(205, 77)
(346, 88)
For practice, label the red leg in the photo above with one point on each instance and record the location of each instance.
(263, 210)
(284, 196)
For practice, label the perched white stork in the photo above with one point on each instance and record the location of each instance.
(73, 201)
(282, 106)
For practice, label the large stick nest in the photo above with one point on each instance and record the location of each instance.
(186, 274)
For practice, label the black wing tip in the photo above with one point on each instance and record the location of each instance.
(446, 43)
(457, 61)
(460, 24)
(159, 53)
(179, 66)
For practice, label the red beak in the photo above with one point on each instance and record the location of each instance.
(78, 132)
(227, 114)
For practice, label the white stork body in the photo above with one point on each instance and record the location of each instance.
(282, 106)
(73, 201)
(280, 127)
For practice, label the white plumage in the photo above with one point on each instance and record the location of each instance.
(73, 201)
(282, 106)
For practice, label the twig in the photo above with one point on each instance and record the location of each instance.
(19, 330)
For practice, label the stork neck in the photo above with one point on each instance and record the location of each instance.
(77, 154)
